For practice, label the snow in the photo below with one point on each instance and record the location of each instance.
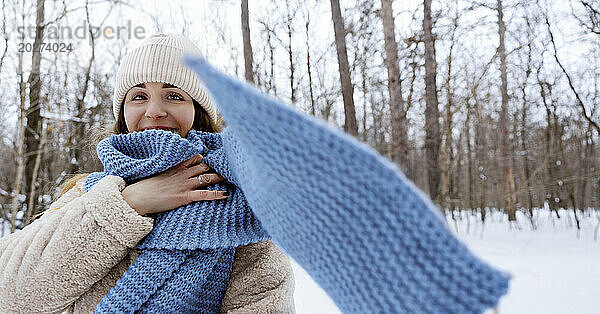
(554, 269)
(4, 227)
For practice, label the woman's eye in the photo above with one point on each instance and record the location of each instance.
(175, 97)
(138, 97)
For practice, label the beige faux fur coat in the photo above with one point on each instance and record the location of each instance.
(68, 259)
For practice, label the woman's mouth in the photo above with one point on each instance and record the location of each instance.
(174, 130)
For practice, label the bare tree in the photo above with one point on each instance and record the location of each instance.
(350, 124)
(308, 65)
(523, 130)
(248, 58)
(397, 106)
(591, 19)
(432, 126)
(469, 179)
(36, 168)
(475, 111)
(550, 191)
(551, 122)
(505, 151)
(20, 143)
(268, 30)
(20, 146)
(580, 103)
(288, 25)
(446, 153)
(34, 125)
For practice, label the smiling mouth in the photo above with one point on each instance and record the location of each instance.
(174, 130)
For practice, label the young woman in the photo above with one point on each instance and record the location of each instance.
(71, 257)
(371, 239)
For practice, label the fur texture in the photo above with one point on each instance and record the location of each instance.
(68, 259)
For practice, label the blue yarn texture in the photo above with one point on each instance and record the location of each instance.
(366, 234)
(186, 259)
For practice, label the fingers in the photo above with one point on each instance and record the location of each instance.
(200, 169)
(209, 178)
(206, 195)
(204, 180)
(196, 159)
(197, 169)
(197, 177)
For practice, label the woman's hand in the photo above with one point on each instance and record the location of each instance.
(173, 188)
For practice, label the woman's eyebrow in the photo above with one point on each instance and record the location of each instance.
(165, 85)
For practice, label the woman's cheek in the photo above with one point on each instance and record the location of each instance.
(132, 118)
(190, 114)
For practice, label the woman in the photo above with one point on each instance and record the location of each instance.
(348, 216)
(71, 257)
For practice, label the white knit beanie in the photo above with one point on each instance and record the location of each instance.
(158, 59)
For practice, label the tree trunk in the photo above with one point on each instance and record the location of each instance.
(20, 147)
(33, 132)
(524, 133)
(350, 124)
(457, 183)
(363, 74)
(36, 167)
(568, 185)
(469, 157)
(432, 114)
(410, 171)
(446, 154)
(272, 85)
(308, 66)
(549, 187)
(397, 106)
(288, 25)
(248, 61)
(481, 155)
(587, 156)
(528, 176)
(509, 182)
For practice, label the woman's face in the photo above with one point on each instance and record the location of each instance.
(158, 105)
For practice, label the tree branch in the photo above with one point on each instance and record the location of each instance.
(579, 100)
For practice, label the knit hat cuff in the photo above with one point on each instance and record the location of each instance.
(159, 62)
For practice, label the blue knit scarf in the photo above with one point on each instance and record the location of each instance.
(186, 259)
(371, 239)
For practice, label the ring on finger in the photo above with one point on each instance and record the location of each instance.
(202, 180)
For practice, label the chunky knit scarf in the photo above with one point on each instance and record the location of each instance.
(371, 239)
(186, 260)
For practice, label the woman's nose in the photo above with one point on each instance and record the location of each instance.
(155, 110)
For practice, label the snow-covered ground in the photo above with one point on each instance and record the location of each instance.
(554, 269)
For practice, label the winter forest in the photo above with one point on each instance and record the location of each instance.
(491, 107)
(483, 104)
